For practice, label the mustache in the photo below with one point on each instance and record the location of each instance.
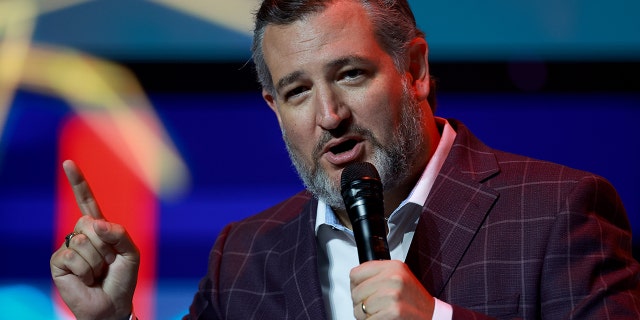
(352, 130)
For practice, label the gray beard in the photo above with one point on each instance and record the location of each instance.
(393, 161)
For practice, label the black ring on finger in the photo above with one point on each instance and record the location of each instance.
(68, 237)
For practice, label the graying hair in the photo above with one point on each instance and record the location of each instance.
(393, 21)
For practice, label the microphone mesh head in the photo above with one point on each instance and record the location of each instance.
(358, 170)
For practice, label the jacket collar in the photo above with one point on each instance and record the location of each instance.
(298, 251)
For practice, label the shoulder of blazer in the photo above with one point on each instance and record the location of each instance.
(285, 211)
(273, 225)
(470, 156)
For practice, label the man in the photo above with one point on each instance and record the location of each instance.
(473, 232)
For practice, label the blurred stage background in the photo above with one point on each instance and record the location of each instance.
(158, 104)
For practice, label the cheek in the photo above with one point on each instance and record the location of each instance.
(299, 130)
(294, 124)
(380, 114)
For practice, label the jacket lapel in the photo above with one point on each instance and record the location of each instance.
(298, 249)
(454, 211)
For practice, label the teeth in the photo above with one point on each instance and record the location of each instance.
(345, 146)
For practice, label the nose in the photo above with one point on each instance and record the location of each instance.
(331, 110)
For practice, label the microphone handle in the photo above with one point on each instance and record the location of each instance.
(370, 234)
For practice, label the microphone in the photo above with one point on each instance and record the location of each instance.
(361, 191)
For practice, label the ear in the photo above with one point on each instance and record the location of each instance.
(418, 67)
(272, 103)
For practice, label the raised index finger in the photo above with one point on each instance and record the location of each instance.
(84, 197)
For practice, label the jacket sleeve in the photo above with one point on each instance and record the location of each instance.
(589, 271)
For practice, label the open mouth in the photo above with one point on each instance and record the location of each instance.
(345, 146)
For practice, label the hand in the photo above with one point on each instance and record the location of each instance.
(389, 291)
(97, 274)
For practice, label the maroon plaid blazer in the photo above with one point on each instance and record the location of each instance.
(501, 236)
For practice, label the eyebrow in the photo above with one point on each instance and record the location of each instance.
(338, 63)
(288, 79)
(334, 64)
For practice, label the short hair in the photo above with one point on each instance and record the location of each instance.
(394, 24)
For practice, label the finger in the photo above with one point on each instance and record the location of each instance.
(117, 237)
(84, 197)
(380, 303)
(84, 247)
(85, 226)
(359, 310)
(67, 261)
(366, 271)
(373, 278)
(58, 268)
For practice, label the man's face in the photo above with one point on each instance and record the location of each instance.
(339, 99)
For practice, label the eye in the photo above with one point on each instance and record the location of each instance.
(295, 92)
(352, 74)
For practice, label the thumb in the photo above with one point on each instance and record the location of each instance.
(116, 236)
